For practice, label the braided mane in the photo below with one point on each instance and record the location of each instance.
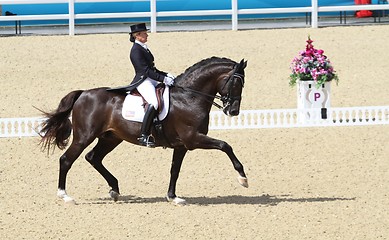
(206, 62)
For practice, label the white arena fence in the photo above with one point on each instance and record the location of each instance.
(314, 10)
(247, 119)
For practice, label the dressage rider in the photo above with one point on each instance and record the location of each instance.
(147, 77)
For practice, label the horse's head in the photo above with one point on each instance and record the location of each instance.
(231, 90)
(213, 76)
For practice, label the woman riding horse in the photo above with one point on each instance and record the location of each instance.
(97, 113)
(147, 77)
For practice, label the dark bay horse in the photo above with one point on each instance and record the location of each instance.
(96, 113)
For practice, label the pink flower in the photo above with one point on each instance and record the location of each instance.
(311, 64)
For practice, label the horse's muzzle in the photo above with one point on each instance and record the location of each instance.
(231, 113)
(232, 110)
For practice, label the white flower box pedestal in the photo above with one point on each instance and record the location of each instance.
(313, 101)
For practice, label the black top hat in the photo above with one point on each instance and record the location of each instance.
(138, 28)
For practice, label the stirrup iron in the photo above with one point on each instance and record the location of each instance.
(147, 141)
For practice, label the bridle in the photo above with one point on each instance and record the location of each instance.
(228, 99)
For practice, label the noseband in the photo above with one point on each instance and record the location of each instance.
(228, 99)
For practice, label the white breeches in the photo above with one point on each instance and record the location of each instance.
(147, 90)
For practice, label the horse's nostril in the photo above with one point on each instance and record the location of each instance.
(234, 112)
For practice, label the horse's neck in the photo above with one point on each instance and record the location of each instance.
(206, 80)
(200, 91)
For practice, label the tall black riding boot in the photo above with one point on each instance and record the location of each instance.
(146, 139)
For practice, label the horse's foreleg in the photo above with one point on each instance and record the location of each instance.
(178, 157)
(204, 142)
(238, 166)
(95, 158)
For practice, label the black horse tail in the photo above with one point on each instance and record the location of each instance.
(56, 129)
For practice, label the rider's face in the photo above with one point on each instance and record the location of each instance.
(142, 36)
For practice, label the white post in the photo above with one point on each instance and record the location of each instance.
(310, 97)
(315, 14)
(234, 15)
(153, 17)
(71, 17)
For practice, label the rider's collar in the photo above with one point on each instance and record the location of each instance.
(142, 44)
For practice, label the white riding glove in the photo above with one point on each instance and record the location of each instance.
(171, 76)
(168, 81)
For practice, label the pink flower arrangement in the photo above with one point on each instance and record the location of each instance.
(312, 64)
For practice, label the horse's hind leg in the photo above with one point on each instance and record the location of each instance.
(95, 157)
(65, 163)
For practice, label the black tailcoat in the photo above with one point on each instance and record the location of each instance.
(143, 62)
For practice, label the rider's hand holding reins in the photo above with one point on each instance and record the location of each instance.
(171, 76)
(169, 80)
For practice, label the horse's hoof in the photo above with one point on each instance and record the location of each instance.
(243, 181)
(114, 195)
(177, 201)
(69, 201)
(65, 197)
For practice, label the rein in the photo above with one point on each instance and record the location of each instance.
(205, 95)
(224, 99)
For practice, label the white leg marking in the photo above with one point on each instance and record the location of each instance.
(177, 201)
(243, 181)
(63, 195)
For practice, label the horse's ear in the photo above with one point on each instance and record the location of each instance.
(242, 65)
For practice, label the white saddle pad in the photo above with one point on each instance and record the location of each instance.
(133, 107)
